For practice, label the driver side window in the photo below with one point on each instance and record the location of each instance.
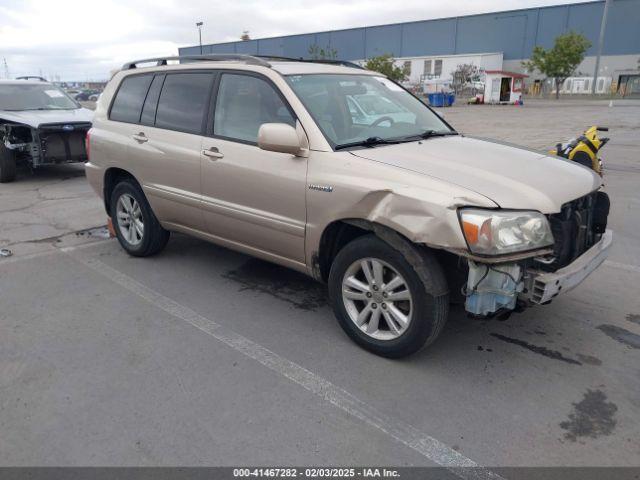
(244, 103)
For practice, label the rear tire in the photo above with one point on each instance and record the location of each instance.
(135, 224)
(401, 319)
(7, 165)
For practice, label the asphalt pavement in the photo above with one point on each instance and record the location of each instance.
(203, 356)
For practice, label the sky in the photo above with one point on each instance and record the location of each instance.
(86, 40)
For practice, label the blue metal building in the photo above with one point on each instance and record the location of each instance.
(514, 33)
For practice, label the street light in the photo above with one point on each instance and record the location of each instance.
(199, 25)
(603, 26)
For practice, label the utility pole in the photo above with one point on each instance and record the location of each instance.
(6, 68)
(603, 27)
(199, 25)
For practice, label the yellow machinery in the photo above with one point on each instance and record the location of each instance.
(584, 149)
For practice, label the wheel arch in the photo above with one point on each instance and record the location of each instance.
(340, 232)
(113, 176)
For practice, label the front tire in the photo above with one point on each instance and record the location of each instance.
(136, 226)
(380, 300)
(7, 165)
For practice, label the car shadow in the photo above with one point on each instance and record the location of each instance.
(533, 333)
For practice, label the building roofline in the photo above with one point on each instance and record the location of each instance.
(544, 7)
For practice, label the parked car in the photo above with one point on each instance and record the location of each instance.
(85, 95)
(39, 125)
(399, 218)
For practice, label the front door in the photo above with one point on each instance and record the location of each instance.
(252, 198)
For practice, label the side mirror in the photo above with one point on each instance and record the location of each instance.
(282, 138)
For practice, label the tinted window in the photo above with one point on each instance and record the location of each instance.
(243, 104)
(129, 99)
(183, 101)
(150, 104)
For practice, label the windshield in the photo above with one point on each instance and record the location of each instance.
(358, 108)
(29, 96)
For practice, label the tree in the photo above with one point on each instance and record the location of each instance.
(318, 53)
(463, 74)
(385, 64)
(245, 36)
(560, 61)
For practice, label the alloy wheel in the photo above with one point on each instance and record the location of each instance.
(130, 221)
(377, 298)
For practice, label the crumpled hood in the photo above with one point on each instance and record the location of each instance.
(510, 176)
(34, 118)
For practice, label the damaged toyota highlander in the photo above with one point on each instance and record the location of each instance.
(399, 214)
(39, 125)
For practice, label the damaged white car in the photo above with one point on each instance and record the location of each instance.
(39, 125)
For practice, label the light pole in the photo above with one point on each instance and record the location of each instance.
(199, 25)
(603, 26)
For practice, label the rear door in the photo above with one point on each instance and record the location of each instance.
(252, 197)
(113, 143)
(165, 145)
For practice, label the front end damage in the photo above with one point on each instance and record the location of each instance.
(46, 144)
(581, 244)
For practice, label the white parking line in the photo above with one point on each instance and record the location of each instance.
(429, 447)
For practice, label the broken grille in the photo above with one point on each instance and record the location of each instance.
(579, 225)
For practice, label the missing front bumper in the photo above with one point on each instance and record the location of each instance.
(491, 289)
(61, 143)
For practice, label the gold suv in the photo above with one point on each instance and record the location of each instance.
(342, 174)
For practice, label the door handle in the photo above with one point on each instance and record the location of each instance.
(213, 153)
(140, 137)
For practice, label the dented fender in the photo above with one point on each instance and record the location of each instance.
(420, 220)
(422, 209)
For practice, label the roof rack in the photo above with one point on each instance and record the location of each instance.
(343, 63)
(261, 60)
(220, 57)
(32, 77)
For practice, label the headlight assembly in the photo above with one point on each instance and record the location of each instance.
(496, 232)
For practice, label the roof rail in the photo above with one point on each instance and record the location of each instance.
(219, 57)
(261, 60)
(32, 77)
(344, 63)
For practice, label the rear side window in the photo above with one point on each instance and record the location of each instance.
(184, 101)
(127, 105)
(151, 103)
